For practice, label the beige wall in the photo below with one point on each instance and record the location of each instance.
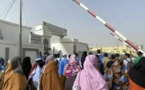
(113, 49)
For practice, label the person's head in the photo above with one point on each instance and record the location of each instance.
(97, 56)
(72, 59)
(139, 53)
(91, 60)
(98, 51)
(64, 56)
(39, 61)
(38, 58)
(2, 61)
(117, 55)
(112, 57)
(15, 61)
(49, 58)
(126, 55)
(56, 55)
(90, 53)
(26, 61)
(15, 64)
(69, 56)
(76, 54)
(109, 64)
(84, 54)
(105, 55)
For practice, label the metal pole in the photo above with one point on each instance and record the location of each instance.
(20, 30)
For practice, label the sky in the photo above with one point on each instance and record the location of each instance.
(127, 16)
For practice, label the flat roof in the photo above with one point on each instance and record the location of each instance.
(15, 24)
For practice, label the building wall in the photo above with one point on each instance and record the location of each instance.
(80, 47)
(8, 50)
(32, 51)
(12, 48)
(113, 49)
(10, 32)
(66, 48)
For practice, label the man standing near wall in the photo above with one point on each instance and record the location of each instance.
(105, 61)
(100, 55)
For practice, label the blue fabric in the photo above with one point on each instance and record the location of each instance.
(124, 68)
(61, 66)
(78, 59)
(108, 77)
(64, 56)
(3, 68)
(101, 67)
(35, 75)
(123, 79)
(38, 58)
(116, 86)
(101, 57)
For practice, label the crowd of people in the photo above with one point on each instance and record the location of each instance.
(88, 72)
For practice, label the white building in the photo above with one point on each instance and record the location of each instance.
(10, 39)
(33, 41)
(69, 46)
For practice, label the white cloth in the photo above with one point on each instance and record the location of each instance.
(126, 61)
(35, 75)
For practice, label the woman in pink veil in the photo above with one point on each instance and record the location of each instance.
(90, 78)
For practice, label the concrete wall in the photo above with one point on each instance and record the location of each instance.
(8, 49)
(10, 32)
(66, 48)
(80, 47)
(32, 51)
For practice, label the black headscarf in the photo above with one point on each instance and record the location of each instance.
(16, 65)
(137, 73)
(26, 65)
(109, 64)
(83, 57)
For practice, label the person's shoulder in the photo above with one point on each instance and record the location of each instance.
(137, 57)
(66, 61)
(101, 55)
(19, 76)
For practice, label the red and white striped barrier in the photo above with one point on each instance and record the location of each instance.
(118, 38)
(124, 43)
(109, 27)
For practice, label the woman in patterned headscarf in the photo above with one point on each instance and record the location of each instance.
(14, 76)
(71, 71)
